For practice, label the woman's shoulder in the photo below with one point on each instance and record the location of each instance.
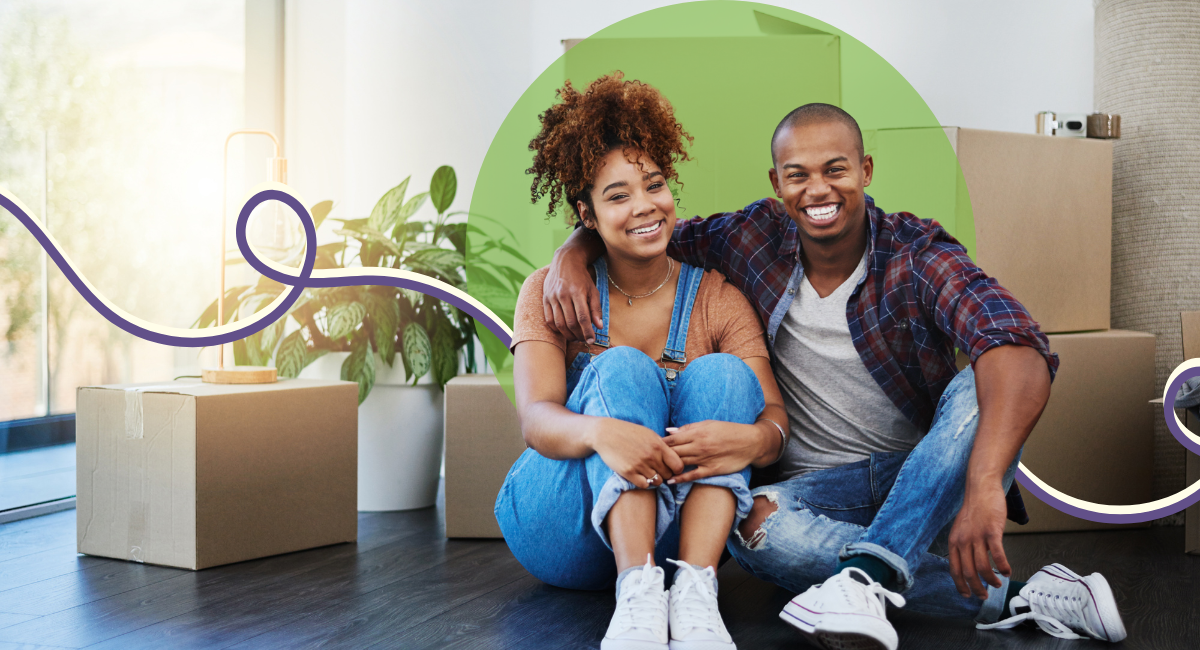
(715, 283)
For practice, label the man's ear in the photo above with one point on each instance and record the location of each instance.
(774, 176)
(868, 165)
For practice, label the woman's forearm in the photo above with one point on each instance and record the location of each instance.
(556, 432)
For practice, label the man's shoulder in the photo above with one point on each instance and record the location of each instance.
(896, 230)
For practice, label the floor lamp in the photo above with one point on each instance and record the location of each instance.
(240, 374)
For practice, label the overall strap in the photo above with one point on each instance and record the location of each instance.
(602, 285)
(685, 298)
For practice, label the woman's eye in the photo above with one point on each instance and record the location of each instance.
(655, 186)
(615, 197)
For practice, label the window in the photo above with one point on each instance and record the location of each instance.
(113, 117)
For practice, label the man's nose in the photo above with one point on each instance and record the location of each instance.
(817, 188)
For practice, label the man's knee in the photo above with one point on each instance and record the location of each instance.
(751, 529)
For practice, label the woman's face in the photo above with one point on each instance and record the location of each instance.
(634, 209)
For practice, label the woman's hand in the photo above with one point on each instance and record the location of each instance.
(715, 447)
(635, 452)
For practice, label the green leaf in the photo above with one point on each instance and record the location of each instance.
(312, 355)
(417, 350)
(209, 316)
(376, 236)
(457, 234)
(327, 255)
(290, 359)
(241, 355)
(443, 188)
(385, 316)
(410, 208)
(344, 318)
(437, 260)
(320, 211)
(360, 367)
(445, 357)
(269, 336)
(382, 214)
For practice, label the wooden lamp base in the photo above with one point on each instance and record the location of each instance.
(238, 375)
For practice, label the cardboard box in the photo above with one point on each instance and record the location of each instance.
(195, 475)
(1095, 440)
(1190, 321)
(1034, 211)
(483, 440)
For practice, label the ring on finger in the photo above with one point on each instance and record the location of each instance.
(652, 480)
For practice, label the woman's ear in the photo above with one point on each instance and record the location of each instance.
(585, 216)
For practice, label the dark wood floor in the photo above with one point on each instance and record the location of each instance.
(405, 586)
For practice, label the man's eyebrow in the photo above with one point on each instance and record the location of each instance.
(616, 184)
(827, 163)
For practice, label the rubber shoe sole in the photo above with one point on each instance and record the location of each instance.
(841, 632)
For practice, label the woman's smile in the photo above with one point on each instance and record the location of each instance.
(647, 231)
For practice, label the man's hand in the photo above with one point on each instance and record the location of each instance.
(715, 447)
(634, 452)
(570, 300)
(976, 540)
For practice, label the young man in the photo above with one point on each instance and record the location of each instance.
(895, 474)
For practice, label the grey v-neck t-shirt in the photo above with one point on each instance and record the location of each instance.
(837, 412)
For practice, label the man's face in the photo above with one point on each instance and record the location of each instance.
(819, 176)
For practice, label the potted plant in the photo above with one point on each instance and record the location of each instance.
(399, 345)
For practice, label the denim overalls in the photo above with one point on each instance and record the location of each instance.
(552, 511)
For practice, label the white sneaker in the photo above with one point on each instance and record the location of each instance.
(640, 621)
(1062, 603)
(695, 621)
(846, 612)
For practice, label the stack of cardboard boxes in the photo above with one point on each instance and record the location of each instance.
(1040, 212)
(1042, 209)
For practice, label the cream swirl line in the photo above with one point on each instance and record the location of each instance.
(295, 278)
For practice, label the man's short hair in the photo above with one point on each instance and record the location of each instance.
(817, 112)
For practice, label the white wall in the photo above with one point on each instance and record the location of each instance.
(426, 83)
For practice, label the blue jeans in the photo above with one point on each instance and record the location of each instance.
(898, 507)
(552, 511)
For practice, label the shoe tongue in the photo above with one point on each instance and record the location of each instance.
(1018, 605)
(859, 576)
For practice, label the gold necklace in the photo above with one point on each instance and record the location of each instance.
(670, 267)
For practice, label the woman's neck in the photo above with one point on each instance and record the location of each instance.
(637, 276)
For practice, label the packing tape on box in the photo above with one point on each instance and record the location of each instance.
(135, 429)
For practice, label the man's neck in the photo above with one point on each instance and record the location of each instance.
(829, 264)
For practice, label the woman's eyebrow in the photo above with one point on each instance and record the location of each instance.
(616, 184)
(650, 175)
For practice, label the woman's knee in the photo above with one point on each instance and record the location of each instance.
(722, 382)
(624, 363)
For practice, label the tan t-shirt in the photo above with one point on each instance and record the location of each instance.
(722, 321)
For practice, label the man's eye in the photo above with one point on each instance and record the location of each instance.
(836, 170)
(795, 175)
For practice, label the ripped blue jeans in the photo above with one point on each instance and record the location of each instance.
(898, 507)
(552, 511)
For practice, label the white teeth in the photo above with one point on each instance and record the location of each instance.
(651, 228)
(822, 213)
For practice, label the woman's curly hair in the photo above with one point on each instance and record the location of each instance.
(578, 133)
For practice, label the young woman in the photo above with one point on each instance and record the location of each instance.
(640, 440)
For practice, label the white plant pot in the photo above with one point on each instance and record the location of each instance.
(400, 436)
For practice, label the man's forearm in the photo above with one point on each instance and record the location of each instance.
(1012, 384)
(583, 245)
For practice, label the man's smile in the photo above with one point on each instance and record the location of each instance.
(824, 213)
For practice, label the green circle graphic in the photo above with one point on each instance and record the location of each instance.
(731, 70)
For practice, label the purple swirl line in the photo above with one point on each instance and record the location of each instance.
(297, 284)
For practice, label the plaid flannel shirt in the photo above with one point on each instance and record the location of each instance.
(921, 297)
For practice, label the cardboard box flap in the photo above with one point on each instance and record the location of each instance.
(197, 388)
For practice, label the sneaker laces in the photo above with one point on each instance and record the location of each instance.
(869, 595)
(696, 602)
(1056, 613)
(640, 604)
